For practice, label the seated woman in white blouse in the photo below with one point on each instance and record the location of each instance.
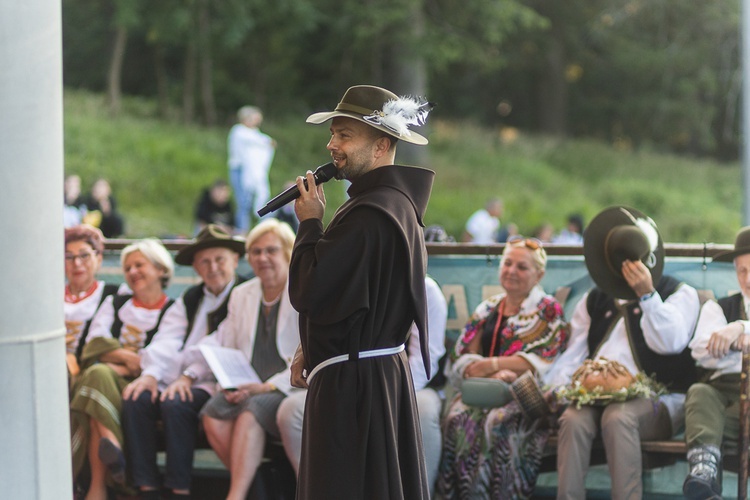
(84, 294)
(130, 336)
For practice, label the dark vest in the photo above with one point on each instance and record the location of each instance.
(676, 371)
(192, 299)
(109, 289)
(118, 301)
(733, 307)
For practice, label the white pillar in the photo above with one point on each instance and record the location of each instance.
(34, 421)
(745, 114)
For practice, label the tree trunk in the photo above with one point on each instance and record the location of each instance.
(114, 74)
(205, 66)
(552, 96)
(162, 85)
(188, 89)
(409, 77)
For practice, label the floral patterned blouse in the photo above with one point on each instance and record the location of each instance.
(538, 330)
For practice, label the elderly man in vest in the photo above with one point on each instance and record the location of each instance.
(215, 256)
(712, 408)
(643, 320)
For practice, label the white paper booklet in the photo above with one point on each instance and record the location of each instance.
(230, 366)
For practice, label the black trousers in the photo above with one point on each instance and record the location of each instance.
(180, 421)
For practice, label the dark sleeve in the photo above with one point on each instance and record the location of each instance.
(202, 210)
(330, 274)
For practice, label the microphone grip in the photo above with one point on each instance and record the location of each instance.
(322, 174)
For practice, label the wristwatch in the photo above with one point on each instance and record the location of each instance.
(189, 374)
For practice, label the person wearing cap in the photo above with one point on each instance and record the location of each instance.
(518, 331)
(712, 406)
(177, 396)
(264, 326)
(640, 318)
(358, 285)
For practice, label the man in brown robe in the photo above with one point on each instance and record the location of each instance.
(358, 286)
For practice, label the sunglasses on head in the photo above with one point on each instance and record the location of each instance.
(531, 243)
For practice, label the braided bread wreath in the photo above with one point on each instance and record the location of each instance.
(602, 381)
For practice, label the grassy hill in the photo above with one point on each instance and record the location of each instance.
(157, 170)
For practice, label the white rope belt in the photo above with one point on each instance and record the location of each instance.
(364, 354)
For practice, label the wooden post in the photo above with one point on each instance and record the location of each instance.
(744, 428)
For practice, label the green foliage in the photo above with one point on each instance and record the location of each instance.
(157, 170)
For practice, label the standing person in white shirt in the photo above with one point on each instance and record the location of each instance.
(641, 319)
(250, 155)
(215, 256)
(484, 224)
(712, 408)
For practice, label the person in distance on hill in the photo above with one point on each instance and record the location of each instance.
(640, 318)
(358, 286)
(215, 207)
(250, 155)
(214, 256)
(712, 407)
(484, 224)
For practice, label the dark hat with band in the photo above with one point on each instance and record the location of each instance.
(618, 234)
(741, 246)
(211, 236)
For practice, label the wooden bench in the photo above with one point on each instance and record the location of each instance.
(664, 453)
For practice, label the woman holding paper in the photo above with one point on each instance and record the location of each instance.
(263, 326)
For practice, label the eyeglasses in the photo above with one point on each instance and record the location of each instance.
(270, 251)
(83, 257)
(531, 243)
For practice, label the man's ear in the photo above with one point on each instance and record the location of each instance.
(382, 146)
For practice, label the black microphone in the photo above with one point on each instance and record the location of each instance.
(323, 173)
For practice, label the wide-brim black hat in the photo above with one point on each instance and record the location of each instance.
(618, 234)
(741, 246)
(211, 236)
(365, 103)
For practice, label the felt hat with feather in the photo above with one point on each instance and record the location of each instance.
(381, 109)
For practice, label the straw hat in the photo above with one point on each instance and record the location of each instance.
(618, 234)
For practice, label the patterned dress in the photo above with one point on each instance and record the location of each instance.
(495, 453)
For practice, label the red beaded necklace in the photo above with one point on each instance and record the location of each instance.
(500, 310)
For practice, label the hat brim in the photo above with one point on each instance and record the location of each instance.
(185, 256)
(730, 255)
(594, 252)
(413, 137)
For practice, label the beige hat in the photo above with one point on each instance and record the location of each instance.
(211, 236)
(381, 109)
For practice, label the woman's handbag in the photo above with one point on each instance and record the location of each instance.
(485, 392)
(529, 395)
